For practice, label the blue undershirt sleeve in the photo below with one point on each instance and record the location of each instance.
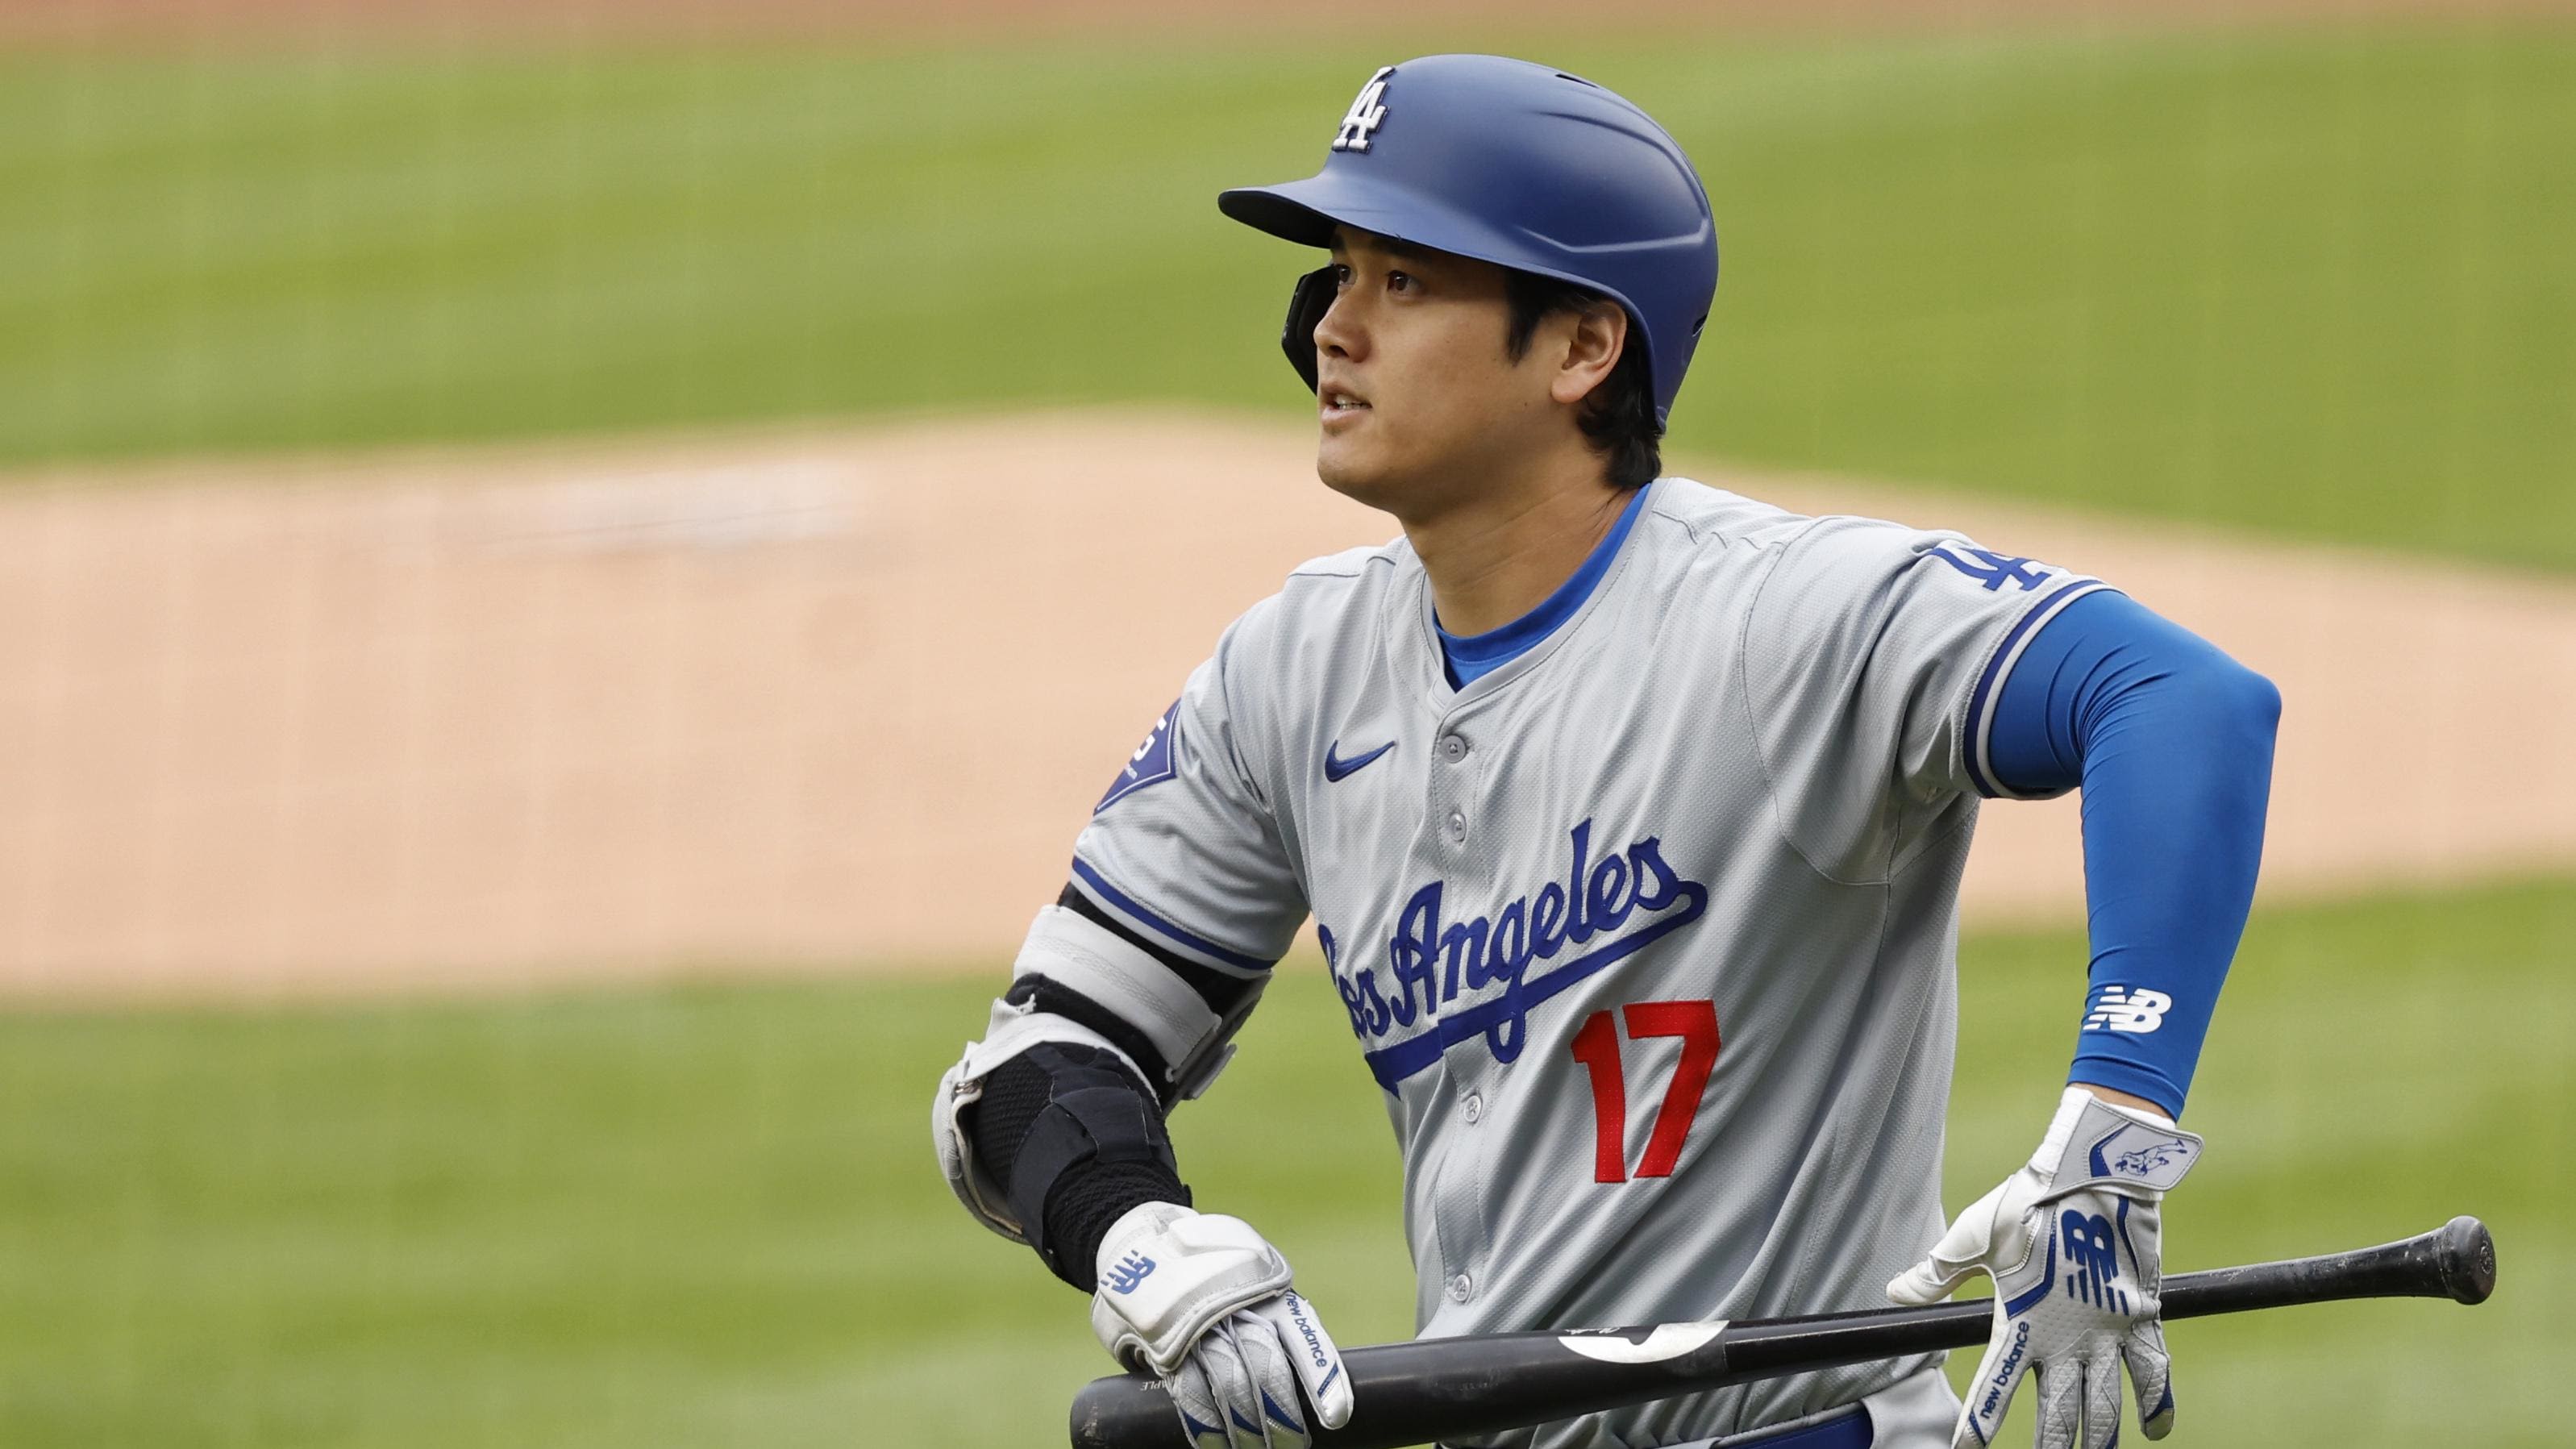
(2171, 741)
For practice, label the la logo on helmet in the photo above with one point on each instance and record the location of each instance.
(1364, 115)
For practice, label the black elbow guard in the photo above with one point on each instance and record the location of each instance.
(1078, 1141)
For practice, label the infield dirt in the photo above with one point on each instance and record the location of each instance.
(810, 701)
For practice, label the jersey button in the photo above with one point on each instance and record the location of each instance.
(1457, 825)
(1460, 1287)
(1474, 1107)
(1453, 748)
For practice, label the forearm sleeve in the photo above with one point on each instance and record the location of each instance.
(2171, 741)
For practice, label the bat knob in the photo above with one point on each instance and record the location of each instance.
(2465, 1252)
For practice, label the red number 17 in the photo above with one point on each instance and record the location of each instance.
(1597, 1047)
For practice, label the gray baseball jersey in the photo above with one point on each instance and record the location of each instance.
(1648, 935)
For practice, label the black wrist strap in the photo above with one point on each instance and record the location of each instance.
(1079, 1142)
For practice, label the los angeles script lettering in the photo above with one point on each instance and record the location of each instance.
(1429, 964)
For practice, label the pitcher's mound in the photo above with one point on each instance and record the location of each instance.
(798, 701)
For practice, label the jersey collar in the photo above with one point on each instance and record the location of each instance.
(1536, 635)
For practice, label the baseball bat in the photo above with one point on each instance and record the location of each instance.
(1435, 1388)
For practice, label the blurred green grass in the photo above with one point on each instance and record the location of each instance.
(2314, 281)
(709, 1215)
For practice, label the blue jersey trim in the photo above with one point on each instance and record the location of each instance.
(1849, 1429)
(1391, 1065)
(1472, 656)
(1972, 743)
(1118, 901)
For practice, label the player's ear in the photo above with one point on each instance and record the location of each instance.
(1592, 349)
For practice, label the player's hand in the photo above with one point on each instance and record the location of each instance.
(2072, 1243)
(1204, 1302)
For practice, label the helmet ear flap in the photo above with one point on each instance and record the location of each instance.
(1306, 308)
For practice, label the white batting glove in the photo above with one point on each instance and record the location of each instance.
(1204, 1302)
(2072, 1243)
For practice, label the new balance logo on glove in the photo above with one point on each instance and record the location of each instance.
(2092, 1264)
(1131, 1270)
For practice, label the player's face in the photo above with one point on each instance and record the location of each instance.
(1420, 405)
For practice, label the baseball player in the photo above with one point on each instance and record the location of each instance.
(1631, 814)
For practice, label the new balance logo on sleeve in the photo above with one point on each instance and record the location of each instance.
(2120, 1009)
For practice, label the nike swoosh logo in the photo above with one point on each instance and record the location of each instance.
(1336, 770)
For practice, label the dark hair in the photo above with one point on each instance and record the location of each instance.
(1619, 416)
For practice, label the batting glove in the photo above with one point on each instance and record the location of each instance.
(2072, 1243)
(1204, 1302)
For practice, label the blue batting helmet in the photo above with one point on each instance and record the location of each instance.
(1518, 165)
